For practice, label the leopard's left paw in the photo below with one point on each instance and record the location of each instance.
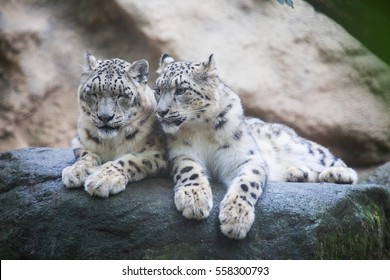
(236, 217)
(105, 181)
(339, 175)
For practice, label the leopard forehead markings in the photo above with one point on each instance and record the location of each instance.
(176, 74)
(109, 77)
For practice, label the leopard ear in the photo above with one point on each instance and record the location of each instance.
(139, 71)
(207, 69)
(90, 62)
(165, 60)
(209, 64)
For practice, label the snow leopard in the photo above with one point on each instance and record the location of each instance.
(119, 139)
(210, 138)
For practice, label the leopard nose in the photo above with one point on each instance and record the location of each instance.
(105, 118)
(162, 113)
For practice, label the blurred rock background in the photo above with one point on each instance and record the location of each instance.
(295, 66)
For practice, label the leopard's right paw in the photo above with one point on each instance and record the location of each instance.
(75, 175)
(339, 175)
(194, 201)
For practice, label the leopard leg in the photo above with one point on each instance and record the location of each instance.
(329, 168)
(237, 209)
(193, 195)
(113, 176)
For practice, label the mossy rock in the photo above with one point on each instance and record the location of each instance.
(356, 228)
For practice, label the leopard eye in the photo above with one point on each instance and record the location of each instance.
(180, 91)
(87, 89)
(92, 96)
(121, 96)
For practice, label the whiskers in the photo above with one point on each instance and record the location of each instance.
(194, 112)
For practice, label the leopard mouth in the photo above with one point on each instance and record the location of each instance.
(174, 122)
(108, 129)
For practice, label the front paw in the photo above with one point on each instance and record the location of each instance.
(194, 201)
(75, 175)
(105, 181)
(236, 217)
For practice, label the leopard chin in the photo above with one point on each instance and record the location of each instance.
(169, 128)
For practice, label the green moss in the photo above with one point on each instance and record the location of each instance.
(356, 228)
(172, 252)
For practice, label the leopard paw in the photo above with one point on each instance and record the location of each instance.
(105, 181)
(194, 201)
(75, 175)
(339, 175)
(236, 217)
(298, 174)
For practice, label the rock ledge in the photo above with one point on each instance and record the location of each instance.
(43, 220)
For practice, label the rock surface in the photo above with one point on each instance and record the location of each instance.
(380, 175)
(294, 66)
(40, 219)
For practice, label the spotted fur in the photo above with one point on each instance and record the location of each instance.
(118, 138)
(208, 136)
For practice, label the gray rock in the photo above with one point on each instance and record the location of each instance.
(40, 219)
(380, 175)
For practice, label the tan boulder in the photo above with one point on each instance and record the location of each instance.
(41, 53)
(294, 66)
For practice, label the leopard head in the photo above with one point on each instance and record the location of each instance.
(109, 93)
(184, 91)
